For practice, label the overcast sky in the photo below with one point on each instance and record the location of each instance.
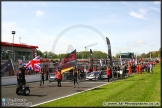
(55, 26)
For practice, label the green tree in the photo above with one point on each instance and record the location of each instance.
(143, 55)
(117, 55)
(39, 53)
(45, 54)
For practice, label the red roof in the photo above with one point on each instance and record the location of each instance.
(17, 45)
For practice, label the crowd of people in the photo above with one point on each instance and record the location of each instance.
(127, 68)
(138, 68)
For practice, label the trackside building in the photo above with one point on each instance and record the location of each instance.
(15, 51)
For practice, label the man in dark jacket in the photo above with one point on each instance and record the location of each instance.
(23, 81)
(21, 77)
(47, 74)
(18, 76)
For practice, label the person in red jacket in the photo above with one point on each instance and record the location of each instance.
(129, 69)
(59, 78)
(140, 69)
(108, 71)
(55, 72)
(94, 69)
(89, 70)
(137, 68)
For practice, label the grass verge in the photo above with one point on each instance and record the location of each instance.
(143, 87)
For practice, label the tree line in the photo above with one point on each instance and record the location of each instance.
(96, 54)
(80, 55)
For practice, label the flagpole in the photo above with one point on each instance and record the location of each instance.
(136, 58)
(13, 32)
(13, 66)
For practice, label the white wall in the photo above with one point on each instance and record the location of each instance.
(13, 79)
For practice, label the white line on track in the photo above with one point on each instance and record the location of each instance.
(105, 83)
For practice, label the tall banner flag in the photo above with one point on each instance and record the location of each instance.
(33, 64)
(109, 54)
(120, 60)
(68, 62)
(7, 66)
(109, 51)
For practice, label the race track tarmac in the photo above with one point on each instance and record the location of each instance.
(48, 92)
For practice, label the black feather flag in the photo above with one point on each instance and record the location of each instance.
(68, 62)
(90, 61)
(109, 55)
(7, 66)
(109, 51)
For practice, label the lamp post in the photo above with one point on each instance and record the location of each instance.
(13, 32)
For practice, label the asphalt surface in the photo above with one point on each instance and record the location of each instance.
(45, 93)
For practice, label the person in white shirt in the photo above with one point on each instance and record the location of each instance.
(150, 68)
(100, 62)
(85, 71)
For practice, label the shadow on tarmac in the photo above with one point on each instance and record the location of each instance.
(37, 95)
(98, 89)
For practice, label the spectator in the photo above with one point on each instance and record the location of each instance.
(150, 68)
(140, 69)
(18, 78)
(137, 68)
(94, 69)
(123, 70)
(108, 73)
(55, 72)
(85, 70)
(47, 74)
(42, 77)
(75, 75)
(129, 69)
(59, 78)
